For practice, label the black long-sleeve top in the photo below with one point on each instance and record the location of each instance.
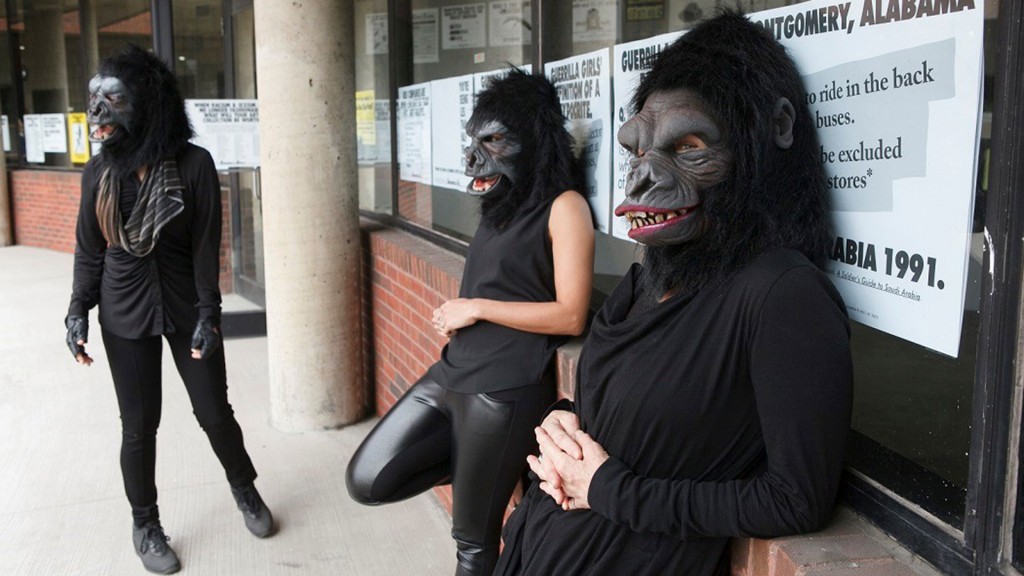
(173, 286)
(723, 416)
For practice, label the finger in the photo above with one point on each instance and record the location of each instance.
(588, 444)
(197, 354)
(550, 474)
(536, 466)
(82, 342)
(557, 495)
(551, 451)
(563, 439)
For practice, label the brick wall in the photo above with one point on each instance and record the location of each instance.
(44, 208)
(408, 277)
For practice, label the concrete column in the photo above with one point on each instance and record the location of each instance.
(305, 84)
(90, 36)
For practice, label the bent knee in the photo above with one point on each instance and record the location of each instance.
(359, 480)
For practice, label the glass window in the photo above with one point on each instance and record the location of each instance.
(199, 48)
(373, 104)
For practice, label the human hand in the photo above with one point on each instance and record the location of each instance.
(78, 336)
(453, 315)
(574, 474)
(206, 339)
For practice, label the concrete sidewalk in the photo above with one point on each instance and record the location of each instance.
(62, 504)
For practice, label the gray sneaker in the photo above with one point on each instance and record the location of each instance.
(151, 546)
(257, 516)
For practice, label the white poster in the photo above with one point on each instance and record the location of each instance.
(482, 80)
(34, 138)
(424, 36)
(631, 60)
(55, 133)
(6, 125)
(366, 128)
(510, 22)
(377, 33)
(584, 88)
(464, 26)
(449, 130)
(896, 98)
(228, 129)
(414, 133)
(593, 20)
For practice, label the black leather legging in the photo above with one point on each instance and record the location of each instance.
(136, 368)
(478, 442)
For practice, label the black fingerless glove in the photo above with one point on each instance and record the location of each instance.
(78, 329)
(206, 337)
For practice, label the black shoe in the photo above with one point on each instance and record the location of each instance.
(257, 516)
(151, 546)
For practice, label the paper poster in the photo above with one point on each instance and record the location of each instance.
(78, 138)
(631, 60)
(377, 33)
(593, 20)
(414, 144)
(55, 133)
(366, 128)
(6, 126)
(464, 26)
(424, 36)
(640, 10)
(896, 98)
(449, 130)
(510, 22)
(34, 138)
(228, 130)
(584, 88)
(482, 80)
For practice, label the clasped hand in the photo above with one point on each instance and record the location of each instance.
(453, 315)
(568, 459)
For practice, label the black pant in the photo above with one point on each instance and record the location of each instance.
(478, 442)
(135, 366)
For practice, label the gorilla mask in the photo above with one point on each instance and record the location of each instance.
(724, 163)
(677, 152)
(109, 110)
(520, 152)
(491, 158)
(136, 111)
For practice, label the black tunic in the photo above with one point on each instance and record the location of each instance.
(724, 416)
(173, 286)
(514, 264)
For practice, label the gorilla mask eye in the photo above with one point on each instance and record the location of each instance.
(688, 143)
(494, 138)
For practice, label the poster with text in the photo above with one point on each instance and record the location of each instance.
(482, 80)
(631, 60)
(366, 128)
(449, 130)
(78, 138)
(593, 20)
(34, 138)
(414, 133)
(894, 89)
(382, 115)
(377, 33)
(584, 88)
(424, 36)
(510, 22)
(55, 133)
(464, 26)
(228, 129)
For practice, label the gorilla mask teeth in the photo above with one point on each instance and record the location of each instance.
(640, 219)
(101, 132)
(484, 184)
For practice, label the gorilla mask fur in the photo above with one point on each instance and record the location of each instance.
(520, 152)
(724, 159)
(136, 111)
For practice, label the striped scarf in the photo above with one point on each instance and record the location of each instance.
(158, 202)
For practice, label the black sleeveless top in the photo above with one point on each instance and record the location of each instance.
(511, 265)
